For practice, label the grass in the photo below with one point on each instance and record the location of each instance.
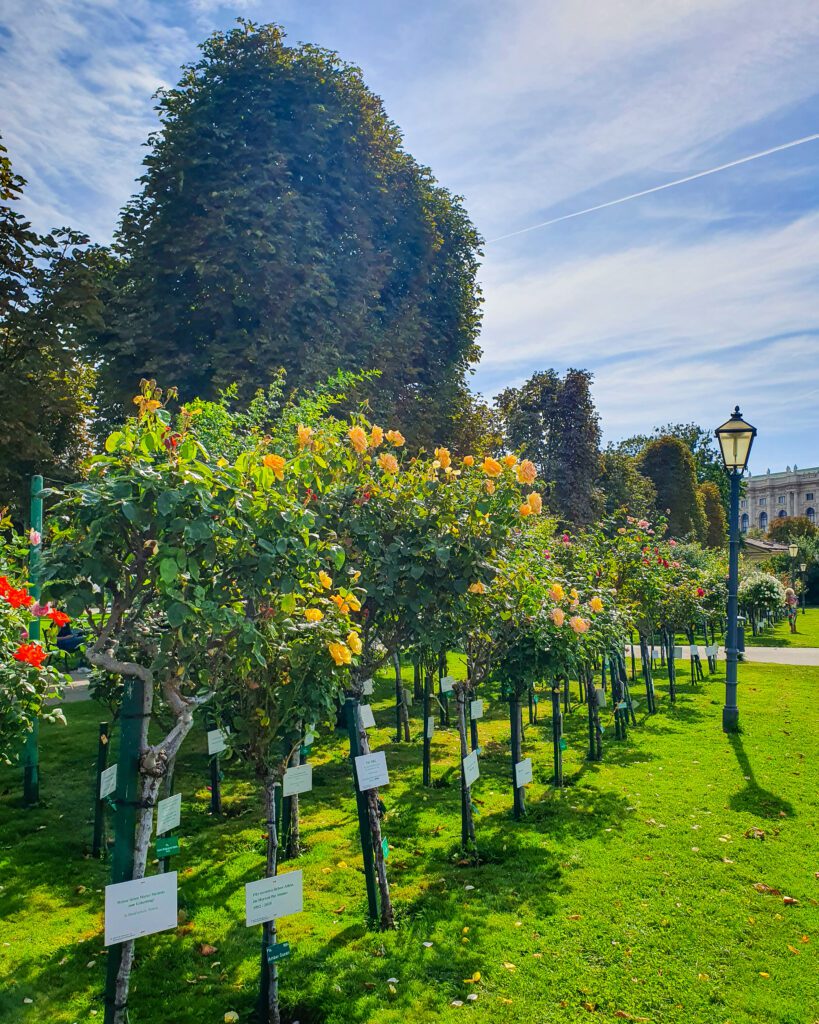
(629, 896)
(806, 635)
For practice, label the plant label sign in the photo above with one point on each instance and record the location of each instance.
(693, 650)
(677, 653)
(140, 907)
(367, 687)
(408, 698)
(371, 770)
(217, 741)
(278, 951)
(297, 780)
(108, 781)
(476, 708)
(601, 697)
(365, 714)
(447, 682)
(430, 727)
(168, 813)
(523, 772)
(272, 898)
(471, 769)
(167, 846)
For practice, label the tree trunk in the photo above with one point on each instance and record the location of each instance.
(387, 917)
(672, 667)
(417, 681)
(427, 769)
(154, 763)
(557, 734)
(467, 821)
(516, 722)
(269, 978)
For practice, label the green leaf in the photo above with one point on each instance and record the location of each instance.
(113, 441)
(168, 569)
(176, 614)
(130, 511)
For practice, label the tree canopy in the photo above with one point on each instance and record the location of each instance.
(282, 224)
(669, 464)
(716, 532)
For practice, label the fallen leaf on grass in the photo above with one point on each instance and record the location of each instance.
(207, 950)
(508, 966)
(326, 871)
(369, 984)
(768, 890)
(789, 901)
(793, 949)
(231, 1017)
(591, 1007)
(472, 997)
(340, 910)
(457, 1002)
(623, 1014)
(754, 833)
(475, 978)
(764, 974)
(574, 917)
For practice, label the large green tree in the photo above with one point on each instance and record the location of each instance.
(623, 485)
(552, 421)
(716, 529)
(282, 224)
(48, 296)
(669, 464)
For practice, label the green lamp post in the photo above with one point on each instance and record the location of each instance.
(735, 438)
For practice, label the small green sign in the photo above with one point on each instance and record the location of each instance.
(305, 751)
(536, 699)
(385, 848)
(563, 743)
(278, 951)
(167, 846)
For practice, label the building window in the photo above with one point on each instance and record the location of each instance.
(763, 520)
(811, 514)
(809, 496)
(744, 503)
(781, 499)
(744, 522)
(763, 502)
(781, 513)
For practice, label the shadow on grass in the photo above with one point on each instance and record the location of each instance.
(752, 798)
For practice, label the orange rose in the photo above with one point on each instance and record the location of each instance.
(491, 467)
(510, 460)
(376, 437)
(388, 462)
(276, 463)
(305, 435)
(535, 503)
(526, 472)
(443, 457)
(558, 616)
(469, 460)
(395, 437)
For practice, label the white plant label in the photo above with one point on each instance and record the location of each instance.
(367, 687)
(476, 708)
(446, 684)
(371, 770)
(430, 727)
(601, 697)
(272, 898)
(693, 650)
(365, 713)
(298, 779)
(677, 653)
(108, 781)
(471, 769)
(217, 741)
(140, 907)
(523, 772)
(168, 813)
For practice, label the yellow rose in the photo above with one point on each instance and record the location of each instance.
(525, 510)
(510, 460)
(305, 435)
(358, 439)
(557, 593)
(477, 588)
(596, 604)
(325, 580)
(579, 625)
(491, 467)
(535, 503)
(526, 472)
(573, 594)
(354, 643)
(469, 460)
(490, 486)
(276, 463)
(443, 456)
(353, 602)
(313, 615)
(376, 437)
(340, 653)
(388, 462)
(558, 616)
(395, 437)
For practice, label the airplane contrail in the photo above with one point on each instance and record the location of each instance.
(656, 188)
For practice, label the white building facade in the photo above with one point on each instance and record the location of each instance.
(770, 496)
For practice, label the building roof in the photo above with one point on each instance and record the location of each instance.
(767, 547)
(784, 473)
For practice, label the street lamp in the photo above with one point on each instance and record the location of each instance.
(735, 439)
(803, 568)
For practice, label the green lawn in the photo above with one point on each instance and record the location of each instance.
(807, 633)
(630, 896)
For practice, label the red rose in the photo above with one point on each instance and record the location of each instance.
(30, 654)
(59, 618)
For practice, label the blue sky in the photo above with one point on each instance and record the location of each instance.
(682, 303)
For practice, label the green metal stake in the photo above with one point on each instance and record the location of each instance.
(351, 706)
(99, 804)
(127, 797)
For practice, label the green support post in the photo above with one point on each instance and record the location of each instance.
(99, 805)
(351, 707)
(127, 798)
(31, 751)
